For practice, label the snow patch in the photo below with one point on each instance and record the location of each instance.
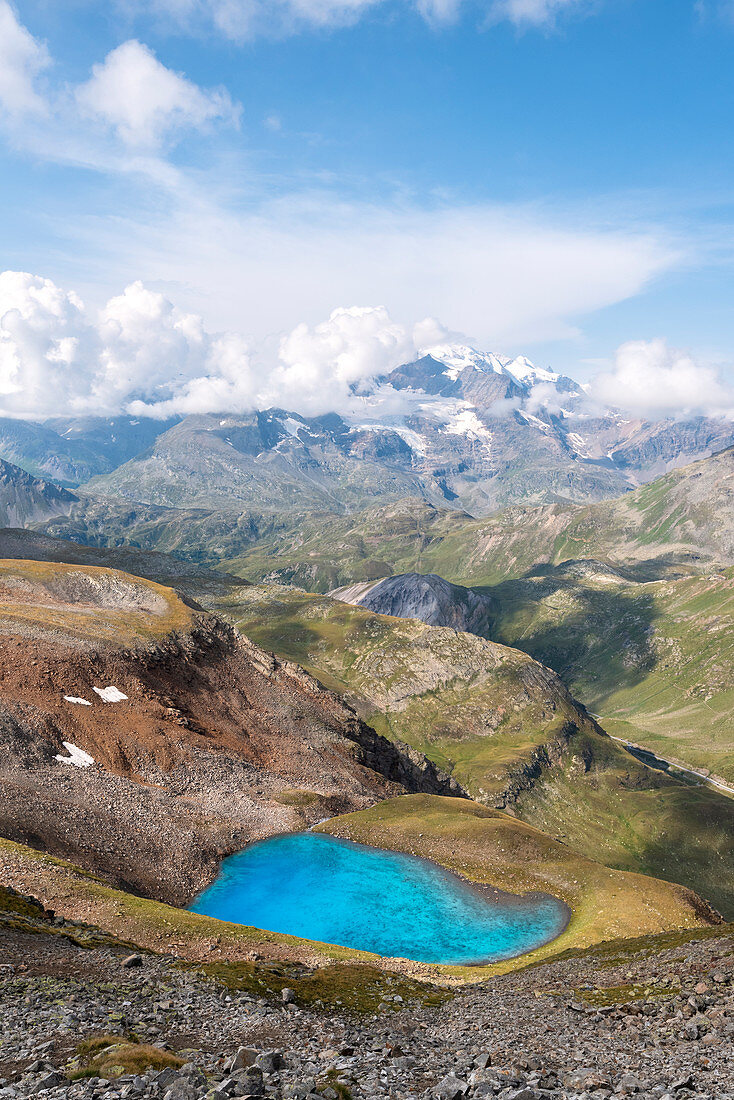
(579, 443)
(293, 427)
(468, 423)
(110, 694)
(535, 421)
(415, 441)
(77, 699)
(77, 757)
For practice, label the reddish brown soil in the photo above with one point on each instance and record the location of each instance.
(217, 743)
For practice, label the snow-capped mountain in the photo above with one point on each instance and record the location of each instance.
(457, 358)
(457, 427)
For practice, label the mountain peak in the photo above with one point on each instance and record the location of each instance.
(460, 357)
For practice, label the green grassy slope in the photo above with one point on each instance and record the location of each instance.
(654, 660)
(476, 708)
(512, 739)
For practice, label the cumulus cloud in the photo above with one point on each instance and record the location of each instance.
(653, 380)
(47, 349)
(355, 345)
(143, 102)
(142, 355)
(22, 60)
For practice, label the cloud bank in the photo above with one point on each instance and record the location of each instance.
(142, 355)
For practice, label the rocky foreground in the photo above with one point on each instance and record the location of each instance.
(83, 1017)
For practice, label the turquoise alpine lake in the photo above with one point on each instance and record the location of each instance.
(317, 887)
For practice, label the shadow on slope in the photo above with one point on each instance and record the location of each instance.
(585, 620)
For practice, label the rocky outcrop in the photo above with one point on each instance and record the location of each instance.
(426, 597)
(25, 499)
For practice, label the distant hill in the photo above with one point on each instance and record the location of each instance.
(684, 518)
(426, 597)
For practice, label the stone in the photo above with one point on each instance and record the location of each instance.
(450, 1087)
(244, 1057)
(628, 1083)
(588, 1079)
(132, 961)
(288, 996)
(270, 1061)
(51, 1080)
(180, 1089)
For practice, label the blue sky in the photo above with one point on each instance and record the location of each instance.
(548, 177)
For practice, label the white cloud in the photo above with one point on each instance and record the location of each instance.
(439, 11)
(503, 275)
(143, 355)
(47, 349)
(243, 19)
(22, 59)
(652, 380)
(145, 103)
(353, 346)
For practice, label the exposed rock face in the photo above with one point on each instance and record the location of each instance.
(206, 742)
(25, 499)
(427, 597)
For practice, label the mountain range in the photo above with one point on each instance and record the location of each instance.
(457, 428)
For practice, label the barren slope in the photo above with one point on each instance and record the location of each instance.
(205, 742)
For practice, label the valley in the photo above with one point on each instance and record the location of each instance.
(460, 667)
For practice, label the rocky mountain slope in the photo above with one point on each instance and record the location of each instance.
(457, 428)
(25, 499)
(143, 738)
(292, 463)
(71, 450)
(426, 597)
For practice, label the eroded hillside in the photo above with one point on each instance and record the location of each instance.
(144, 738)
